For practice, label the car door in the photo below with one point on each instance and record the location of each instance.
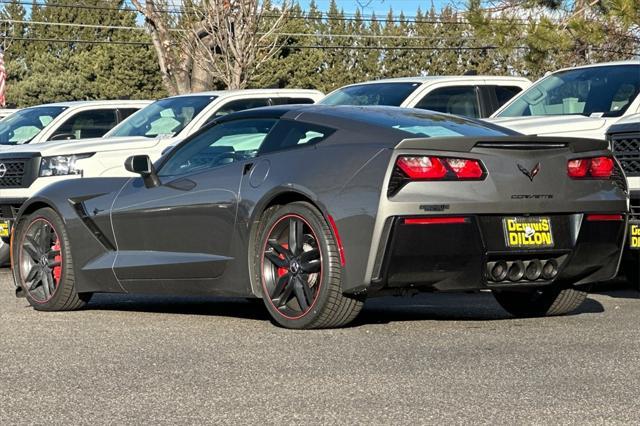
(182, 229)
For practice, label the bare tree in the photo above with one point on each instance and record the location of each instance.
(233, 39)
(199, 42)
(168, 24)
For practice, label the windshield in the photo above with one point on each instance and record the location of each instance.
(390, 94)
(164, 117)
(22, 126)
(605, 91)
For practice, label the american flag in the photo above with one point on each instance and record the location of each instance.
(3, 79)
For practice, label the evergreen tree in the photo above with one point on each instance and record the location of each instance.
(72, 70)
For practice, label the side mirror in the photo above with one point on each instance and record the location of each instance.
(62, 137)
(142, 165)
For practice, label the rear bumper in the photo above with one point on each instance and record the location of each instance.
(458, 256)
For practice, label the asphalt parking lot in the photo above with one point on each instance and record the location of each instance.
(427, 359)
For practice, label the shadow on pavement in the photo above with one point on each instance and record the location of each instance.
(214, 306)
(424, 307)
(617, 288)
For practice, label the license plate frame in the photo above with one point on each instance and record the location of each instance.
(528, 232)
(633, 241)
(5, 228)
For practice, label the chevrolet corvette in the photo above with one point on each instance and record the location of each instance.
(315, 208)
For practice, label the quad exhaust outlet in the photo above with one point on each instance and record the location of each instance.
(522, 270)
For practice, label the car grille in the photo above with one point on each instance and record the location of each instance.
(626, 148)
(14, 173)
(18, 172)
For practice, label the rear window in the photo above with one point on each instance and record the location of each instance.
(389, 94)
(431, 125)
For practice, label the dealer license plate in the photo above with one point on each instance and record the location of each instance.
(634, 235)
(528, 232)
(4, 228)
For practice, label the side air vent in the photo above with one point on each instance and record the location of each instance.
(618, 178)
(90, 224)
(397, 181)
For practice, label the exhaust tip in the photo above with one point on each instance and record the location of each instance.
(516, 271)
(550, 269)
(499, 271)
(533, 270)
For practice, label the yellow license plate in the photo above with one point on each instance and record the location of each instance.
(634, 235)
(528, 232)
(5, 226)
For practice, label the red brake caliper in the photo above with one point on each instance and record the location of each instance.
(57, 270)
(282, 271)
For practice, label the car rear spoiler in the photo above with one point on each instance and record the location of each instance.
(467, 143)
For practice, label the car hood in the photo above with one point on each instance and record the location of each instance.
(83, 146)
(554, 125)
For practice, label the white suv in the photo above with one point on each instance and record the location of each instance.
(65, 120)
(581, 102)
(474, 96)
(25, 169)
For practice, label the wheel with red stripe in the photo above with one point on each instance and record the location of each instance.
(299, 268)
(42, 263)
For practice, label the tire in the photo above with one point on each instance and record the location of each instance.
(51, 287)
(301, 282)
(540, 302)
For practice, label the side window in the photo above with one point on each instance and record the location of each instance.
(86, 124)
(239, 105)
(505, 93)
(126, 112)
(461, 100)
(217, 146)
(288, 134)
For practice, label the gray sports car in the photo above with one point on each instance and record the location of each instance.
(314, 208)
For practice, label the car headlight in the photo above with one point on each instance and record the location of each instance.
(61, 165)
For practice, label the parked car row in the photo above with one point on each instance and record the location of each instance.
(314, 208)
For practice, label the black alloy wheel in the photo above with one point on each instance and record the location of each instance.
(292, 266)
(42, 263)
(40, 260)
(298, 264)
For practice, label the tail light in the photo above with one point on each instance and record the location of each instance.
(440, 168)
(595, 167)
(605, 218)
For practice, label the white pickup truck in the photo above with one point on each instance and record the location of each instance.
(581, 102)
(25, 169)
(472, 96)
(64, 121)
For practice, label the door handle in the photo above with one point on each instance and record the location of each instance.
(247, 168)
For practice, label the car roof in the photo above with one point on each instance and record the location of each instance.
(257, 92)
(333, 115)
(601, 64)
(437, 78)
(71, 104)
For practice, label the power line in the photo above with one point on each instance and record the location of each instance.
(73, 24)
(325, 16)
(284, 34)
(71, 41)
